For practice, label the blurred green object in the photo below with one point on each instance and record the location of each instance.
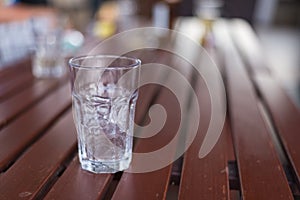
(72, 41)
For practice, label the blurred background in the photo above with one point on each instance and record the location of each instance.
(276, 22)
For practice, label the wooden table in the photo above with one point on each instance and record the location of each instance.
(256, 157)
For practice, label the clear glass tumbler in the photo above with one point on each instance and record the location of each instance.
(48, 60)
(104, 95)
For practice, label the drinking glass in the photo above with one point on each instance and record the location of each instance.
(104, 95)
(48, 60)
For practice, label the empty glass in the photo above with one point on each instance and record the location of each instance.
(104, 95)
(48, 60)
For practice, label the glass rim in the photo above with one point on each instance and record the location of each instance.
(136, 62)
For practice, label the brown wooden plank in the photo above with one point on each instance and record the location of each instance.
(11, 70)
(285, 115)
(30, 176)
(16, 136)
(151, 185)
(248, 45)
(205, 178)
(148, 92)
(215, 52)
(76, 183)
(258, 163)
(15, 84)
(22, 100)
(219, 56)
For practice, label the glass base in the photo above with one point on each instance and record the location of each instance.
(105, 167)
(56, 71)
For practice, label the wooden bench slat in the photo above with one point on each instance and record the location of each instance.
(16, 104)
(152, 185)
(285, 115)
(41, 163)
(148, 92)
(215, 52)
(257, 160)
(14, 69)
(76, 183)
(11, 87)
(206, 178)
(17, 135)
(248, 45)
